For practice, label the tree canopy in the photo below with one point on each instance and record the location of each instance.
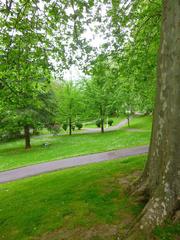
(39, 39)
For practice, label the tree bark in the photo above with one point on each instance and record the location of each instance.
(102, 125)
(128, 118)
(102, 118)
(161, 176)
(27, 137)
(70, 126)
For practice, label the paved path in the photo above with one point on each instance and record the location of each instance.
(109, 129)
(88, 130)
(40, 168)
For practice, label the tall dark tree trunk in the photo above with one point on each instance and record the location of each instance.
(70, 126)
(161, 177)
(102, 125)
(128, 119)
(102, 118)
(27, 137)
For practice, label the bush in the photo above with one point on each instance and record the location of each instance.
(35, 132)
(65, 126)
(110, 122)
(79, 125)
(98, 123)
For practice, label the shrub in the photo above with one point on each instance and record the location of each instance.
(98, 123)
(65, 126)
(35, 132)
(79, 125)
(110, 122)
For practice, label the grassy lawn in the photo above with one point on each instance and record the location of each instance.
(13, 154)
(116, 120)
(141, 122)
(84, 203)
(89, 125)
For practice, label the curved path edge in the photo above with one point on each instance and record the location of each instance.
(37, 169)
(122, 123)
(89, 130)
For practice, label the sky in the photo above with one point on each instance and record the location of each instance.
(95, 39)
(91, 34)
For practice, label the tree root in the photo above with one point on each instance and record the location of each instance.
(139, 189)
(154, 214)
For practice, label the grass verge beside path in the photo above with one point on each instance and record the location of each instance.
(13, 154)
(116, 120)
(140, 123)
(85, 203)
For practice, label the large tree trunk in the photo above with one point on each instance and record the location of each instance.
(27, 137)
(161, 177)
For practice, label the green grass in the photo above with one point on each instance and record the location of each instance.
(141, 122)
(168, 231)
(89, 125)
(81, 203)
(69, 200)
(116, 120)
(13, 154)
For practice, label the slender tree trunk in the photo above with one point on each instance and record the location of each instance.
(102, 118)
(70, 126)
(27, 137)
(161, 177)
(128, 118)
(102, 125)
(107, 124)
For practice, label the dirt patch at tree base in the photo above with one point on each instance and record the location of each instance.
(98, 232)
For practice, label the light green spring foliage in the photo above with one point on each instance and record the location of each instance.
(24, 63)
(70, 102)
(100, 89)
(130, 65)
(138, 48)
(25, 70)
(32, 35)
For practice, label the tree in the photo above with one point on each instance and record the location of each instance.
(161, 176)
(100, 89)
(136, 27)
(70, 102)
(38, 114)
(9, 127)
(30, 37)
(25, 68)
(127, 97)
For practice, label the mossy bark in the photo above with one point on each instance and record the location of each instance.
(161, 176)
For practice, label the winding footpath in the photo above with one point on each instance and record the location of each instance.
(37, 169)
(89, 130)
(109, 129)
